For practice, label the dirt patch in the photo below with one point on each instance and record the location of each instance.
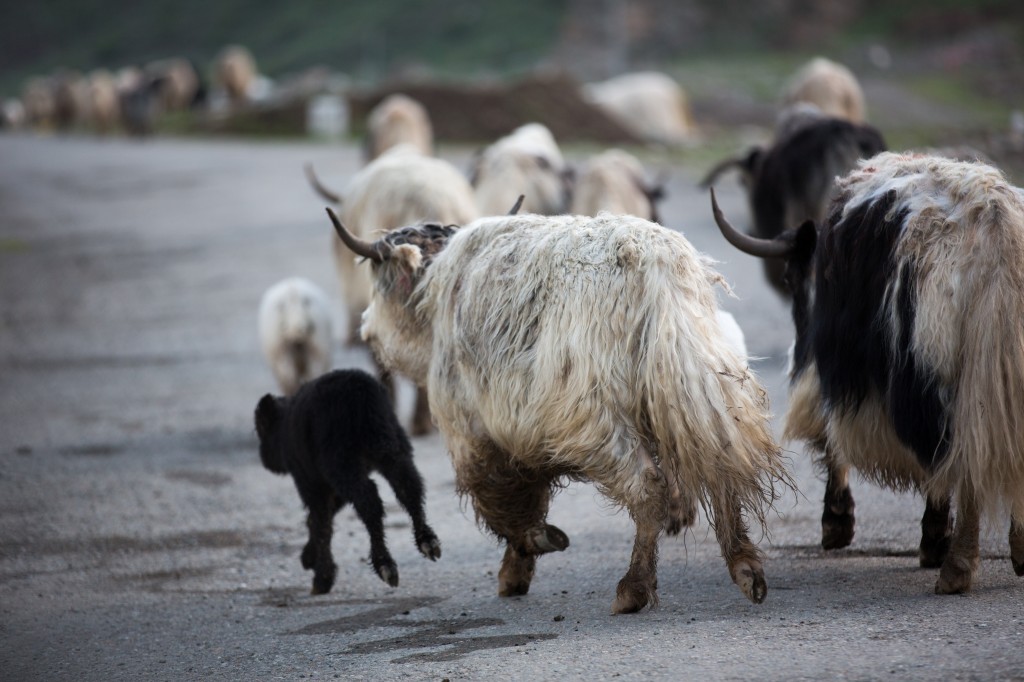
(483, 112)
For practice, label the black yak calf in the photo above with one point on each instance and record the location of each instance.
(329, 436)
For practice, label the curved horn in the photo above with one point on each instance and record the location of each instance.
(356, 245)
(518, 205)
(709, 179)
(327, 194)
(762, 248)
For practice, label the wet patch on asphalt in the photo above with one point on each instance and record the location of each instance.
(425, 634)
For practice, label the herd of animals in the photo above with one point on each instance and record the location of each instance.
(133, 98)
(557, 332)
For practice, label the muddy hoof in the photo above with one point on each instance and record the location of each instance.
(516, 573)
(513, 589)
(547, 539)
(429, 546)
(933, 552)
(631, 596)
(955, 576)
(750, 580)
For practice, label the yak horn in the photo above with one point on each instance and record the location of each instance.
(721, 167)
(762, 248)
(518, 205)
(355, 244)
(333, 197)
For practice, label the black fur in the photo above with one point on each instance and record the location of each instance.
(329, 436)
(798, 170)
(848, 334)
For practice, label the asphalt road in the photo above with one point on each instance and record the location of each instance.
(141, 539)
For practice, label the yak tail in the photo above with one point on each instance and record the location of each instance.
(709, 420)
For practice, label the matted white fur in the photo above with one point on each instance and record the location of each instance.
(612, 181)
(525, 162)
(295, 332)
(585, 343)
(829, 86)
(401, 187)
(399, 119)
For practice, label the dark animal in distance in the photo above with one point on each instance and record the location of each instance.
(329, 436)
(792, 180)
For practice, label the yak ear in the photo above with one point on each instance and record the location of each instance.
(409, 256)
(805, 240)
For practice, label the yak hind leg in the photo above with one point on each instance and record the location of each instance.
(422, 423)
(961, 563)
(1017, 543)
(316, 554)
(651, 513)
(936, 533)
(740, 554)
(837, 518)
(512, 502)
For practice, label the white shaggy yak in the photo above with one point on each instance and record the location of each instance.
(295, 332)
(401, 187)
(829, 86)
(526, 162)
(398, 119)
(235, 72)
(615, 181)
(650, 105)
(909, 356)
(580, 348)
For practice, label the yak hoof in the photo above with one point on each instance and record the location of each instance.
(388, 573)
(516, 573)
(632, 595)
(836, 530)
(430, 547)
(1018, 566)
(933, 551)
(322, 584)
(750, 580)
(547, 539)
(955, 576)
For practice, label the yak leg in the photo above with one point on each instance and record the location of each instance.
(936, 532)
(962, 561)
(1017, 542)
(317, 552)
(837, 519)
(401, 474)
(422, 424)
(513, 503)
(651, 511)
(364, 496)
(740, 554)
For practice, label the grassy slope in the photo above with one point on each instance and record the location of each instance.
(366, 39)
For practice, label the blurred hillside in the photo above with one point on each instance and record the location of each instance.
(591, 38)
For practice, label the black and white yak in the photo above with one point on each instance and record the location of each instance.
(909, 356)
